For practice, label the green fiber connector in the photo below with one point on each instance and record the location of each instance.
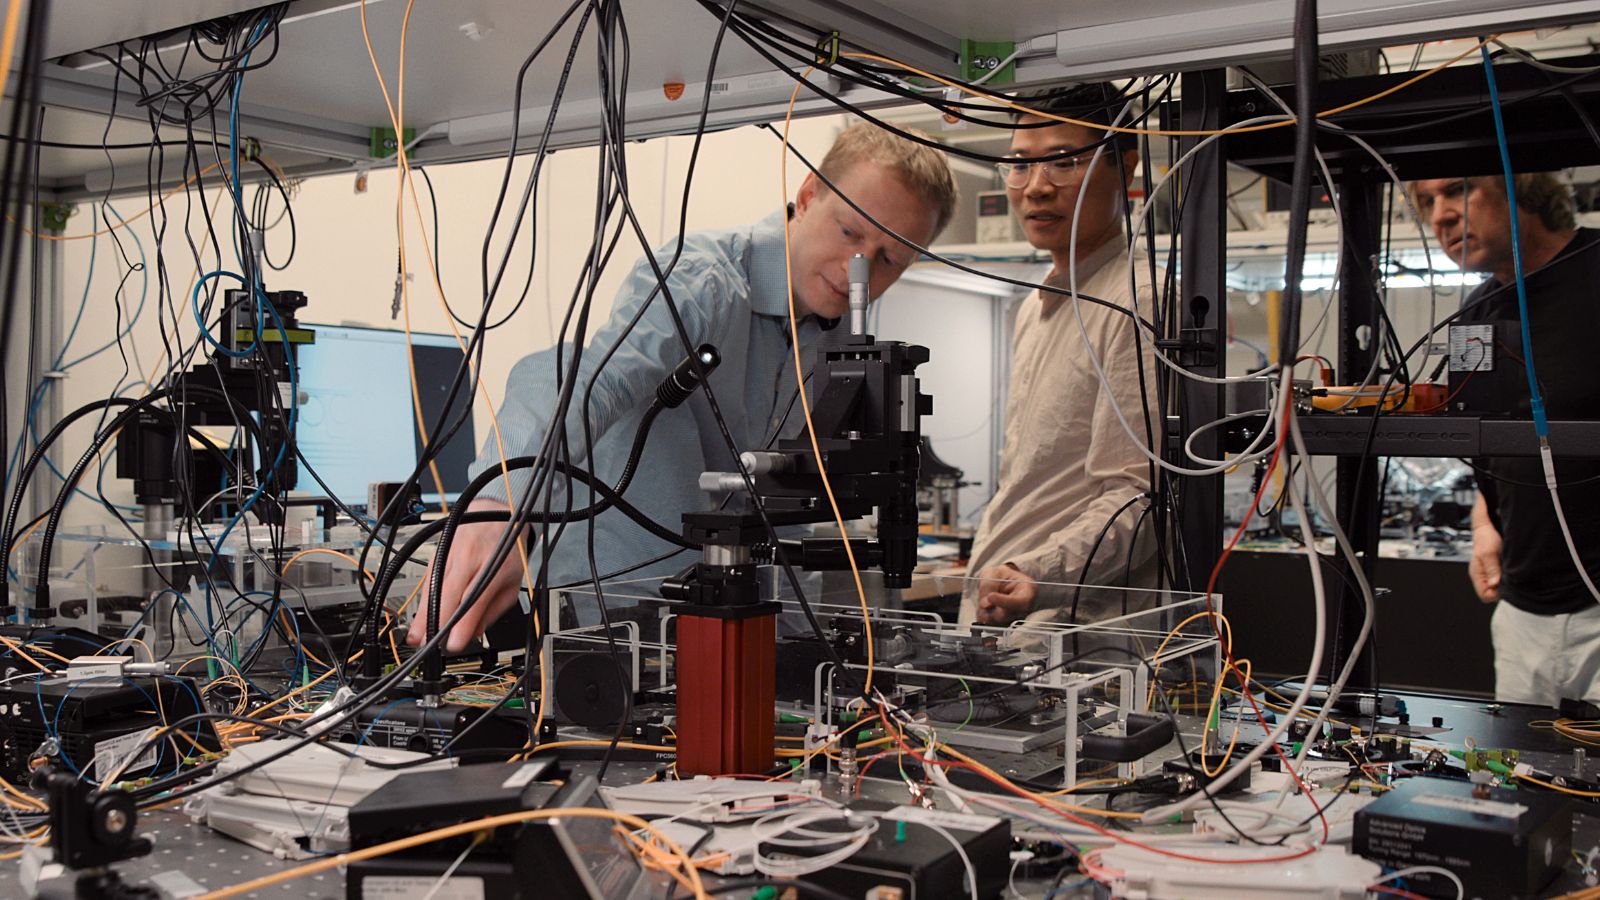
(53, 217)
(765, 892)
(793, 719)
(516, 703)
(979, 58)
(1497, 761)
(382, 144)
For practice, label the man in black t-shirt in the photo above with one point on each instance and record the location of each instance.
(1547, 629)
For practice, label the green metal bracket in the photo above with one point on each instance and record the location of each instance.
(382, 143)
(979, 58)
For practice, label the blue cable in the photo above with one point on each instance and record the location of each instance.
(1541, 425)
(199, 317)
(144, 295)
(83, 304)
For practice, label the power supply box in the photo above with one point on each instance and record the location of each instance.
(98, 725)
(1508, 844)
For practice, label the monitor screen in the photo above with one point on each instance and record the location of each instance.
(358, 425)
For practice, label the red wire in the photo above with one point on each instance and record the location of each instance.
(1211, 586)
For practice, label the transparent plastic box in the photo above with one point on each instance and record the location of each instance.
(1063, 678)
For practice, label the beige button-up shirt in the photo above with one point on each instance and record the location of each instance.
(1068, 464)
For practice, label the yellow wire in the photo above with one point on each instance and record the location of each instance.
(405, 304)
(1555, 787)
(296, 692)
(832, 739)
(1041, 799)
(17, 649)
(8, 43)
(330, 552)
(800, 379)
(1156, 658)
(1168, 132)
(439, 834)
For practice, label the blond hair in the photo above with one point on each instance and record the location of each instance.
(922, 168)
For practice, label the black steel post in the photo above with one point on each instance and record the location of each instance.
(1202, 307)
(1358, 497)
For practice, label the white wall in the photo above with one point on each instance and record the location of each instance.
(956, 327)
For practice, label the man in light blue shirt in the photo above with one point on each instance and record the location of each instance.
(731, 291)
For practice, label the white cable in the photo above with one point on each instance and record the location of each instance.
(1368, 599)
(1461, 889)
(1188, 448)
(775, 828)
(1549, 464)
(1319, 645)
(450, 870)
(1252, 452)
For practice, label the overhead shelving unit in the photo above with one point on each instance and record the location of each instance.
(314, 107)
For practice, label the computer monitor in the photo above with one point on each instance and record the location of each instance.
(358, 424)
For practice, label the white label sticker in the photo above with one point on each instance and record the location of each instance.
(1496, 808)
(398, 887)
(945, 818)
(79, 671)
(1472, 348)
(110, 754)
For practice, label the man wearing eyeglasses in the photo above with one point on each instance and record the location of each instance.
(1069, 505)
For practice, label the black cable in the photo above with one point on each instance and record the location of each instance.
(439, 435)
(24, 110)
(65, 145)
(1305, 146)
(1083, 571)
(288, 210)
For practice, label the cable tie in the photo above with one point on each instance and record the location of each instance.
(828, 49)
(54, 374)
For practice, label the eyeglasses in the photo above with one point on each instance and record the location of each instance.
(1059, 172)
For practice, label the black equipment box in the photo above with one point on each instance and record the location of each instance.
(566, 856)
(1509, 844)
(407, 725)
(917, 859)
(422, 801)
(95, 722)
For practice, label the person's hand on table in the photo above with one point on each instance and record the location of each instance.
(1005, 594)
(470, 551)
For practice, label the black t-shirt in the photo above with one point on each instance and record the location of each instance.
(1564, 314)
